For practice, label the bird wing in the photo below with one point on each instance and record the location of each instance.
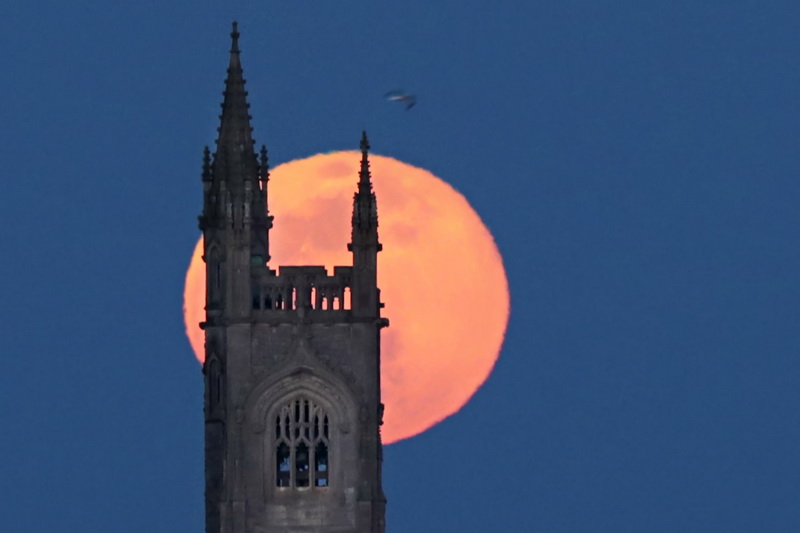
(400, 96)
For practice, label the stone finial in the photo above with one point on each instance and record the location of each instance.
(264, 163)
(235, 38)
(206, 164)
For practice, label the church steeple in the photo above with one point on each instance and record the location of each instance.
(235, 140)
(365, 208)
(364, 242)
(292, 368)
(235, 180)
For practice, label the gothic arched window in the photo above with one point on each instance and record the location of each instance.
(302, 445)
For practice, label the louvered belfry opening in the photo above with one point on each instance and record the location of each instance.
(302, 445)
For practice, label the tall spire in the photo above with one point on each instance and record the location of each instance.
(235, 140)
(364, 242)
(365, 207)
(235, 180)
(364, 175)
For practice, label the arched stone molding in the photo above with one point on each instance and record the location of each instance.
(263, 407)
(317, 384)
(301, 353)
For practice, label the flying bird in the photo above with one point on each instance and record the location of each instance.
(401, 96)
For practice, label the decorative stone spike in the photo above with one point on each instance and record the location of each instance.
(235, 38)
(264, 164)
(206, 164)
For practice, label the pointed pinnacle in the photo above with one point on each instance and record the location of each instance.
(264, 158)
(365, 183)
(235, 139)
(206, 164)
(364, 142)
(263, 164)
(365, 211)
(235, 38)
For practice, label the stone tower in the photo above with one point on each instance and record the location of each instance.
(292, 370)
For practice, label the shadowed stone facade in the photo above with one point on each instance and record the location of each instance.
(292, 369)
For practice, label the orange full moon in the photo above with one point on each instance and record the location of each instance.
(440, 273)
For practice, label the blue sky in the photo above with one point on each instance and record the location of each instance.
(637, 163)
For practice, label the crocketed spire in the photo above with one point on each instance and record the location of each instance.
(365, 208)
(235, 156)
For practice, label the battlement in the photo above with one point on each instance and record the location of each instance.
(307, 288)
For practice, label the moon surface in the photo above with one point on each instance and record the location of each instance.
(440, 274)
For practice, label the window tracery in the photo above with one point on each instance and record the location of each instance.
(302, 445)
